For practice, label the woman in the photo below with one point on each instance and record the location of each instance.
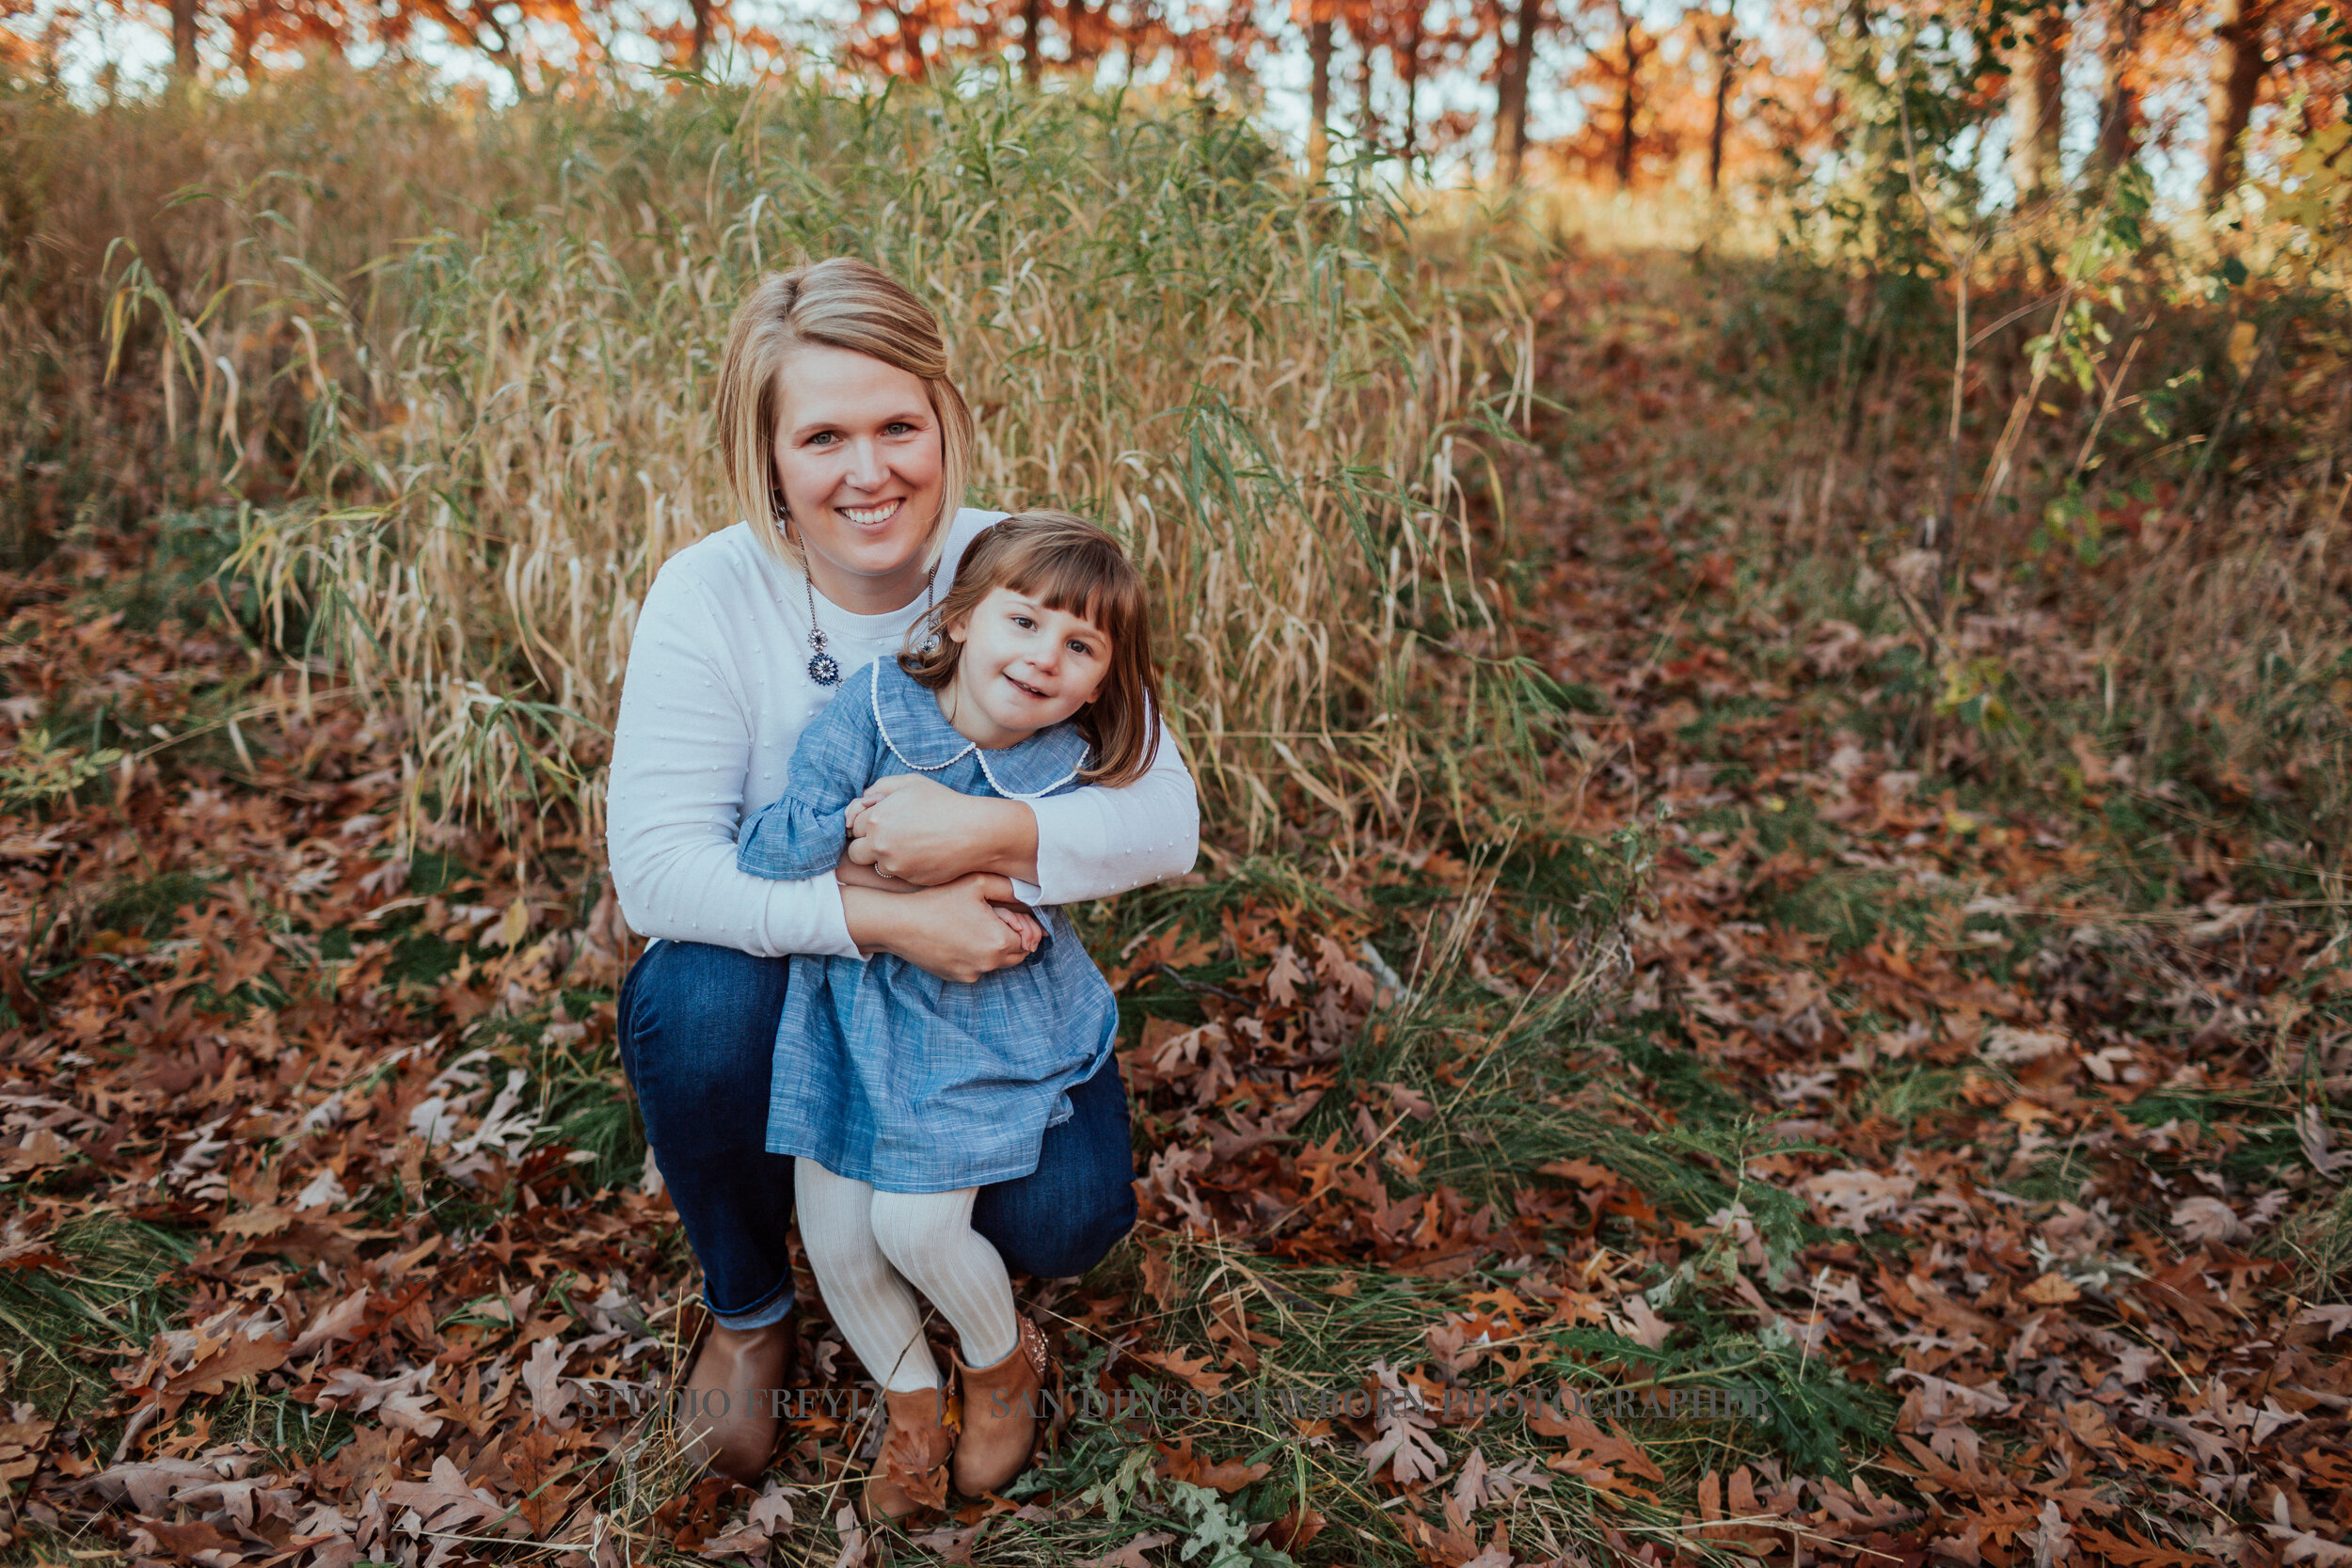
(847, 445)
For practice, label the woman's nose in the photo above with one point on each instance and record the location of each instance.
(865, 466)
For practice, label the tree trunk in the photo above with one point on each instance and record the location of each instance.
(2037, 104)
(1726, 60)
(2238, 66)
(183, 38)
(1032, 40)
(2119, 103)
(702, 33)
(1518, 62)
(1318, 96)
(1628, 101)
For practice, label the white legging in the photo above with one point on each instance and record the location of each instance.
(865, 1247)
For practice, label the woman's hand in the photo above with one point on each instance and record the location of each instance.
(954, 932)
(919, 830)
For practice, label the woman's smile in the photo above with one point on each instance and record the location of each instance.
(859, 460)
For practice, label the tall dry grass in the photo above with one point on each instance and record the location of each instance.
(465, 362)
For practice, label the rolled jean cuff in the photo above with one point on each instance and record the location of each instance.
(777, 1308)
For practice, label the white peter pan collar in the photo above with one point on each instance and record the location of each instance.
(907, 714)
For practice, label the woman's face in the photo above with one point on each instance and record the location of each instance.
(859, 459)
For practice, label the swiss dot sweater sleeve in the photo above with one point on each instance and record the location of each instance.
(1094, 841)
(802, 832)
(681, 754)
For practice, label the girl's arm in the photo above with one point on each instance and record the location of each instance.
(681, 753)
(801, 833)
(1082, 844)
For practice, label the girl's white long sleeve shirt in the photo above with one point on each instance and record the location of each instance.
(713, 703)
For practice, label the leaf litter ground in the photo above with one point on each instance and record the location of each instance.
(2002, 1169)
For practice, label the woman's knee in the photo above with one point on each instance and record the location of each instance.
(1060, 1230)
(1077, 1241)
(698, 1032)
(1059, 1220)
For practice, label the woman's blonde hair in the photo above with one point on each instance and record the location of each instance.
(1062, 563)
(843, 303)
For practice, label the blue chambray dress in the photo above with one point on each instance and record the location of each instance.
(887, 1074)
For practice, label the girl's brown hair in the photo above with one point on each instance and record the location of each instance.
(847, 304)
(1065, 564)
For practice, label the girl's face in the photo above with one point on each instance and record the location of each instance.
(1023, 668)
(859, 459)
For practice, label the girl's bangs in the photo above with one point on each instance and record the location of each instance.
(1075, 583)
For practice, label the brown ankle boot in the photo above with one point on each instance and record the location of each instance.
(910, 1472)
(727, 1417)
(1002, 1406)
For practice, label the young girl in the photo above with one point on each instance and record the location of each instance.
(899, 1094)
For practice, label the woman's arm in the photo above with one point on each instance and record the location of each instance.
(1083, 844)
(952, 931)
(681, 751)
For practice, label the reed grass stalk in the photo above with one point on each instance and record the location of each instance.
(490, 412)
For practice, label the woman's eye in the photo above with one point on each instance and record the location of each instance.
(823, 439)
(896, 427)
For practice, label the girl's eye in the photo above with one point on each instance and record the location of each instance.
(1083, 649)
(1025, 622)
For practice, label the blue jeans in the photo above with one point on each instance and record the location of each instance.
(697, 1034)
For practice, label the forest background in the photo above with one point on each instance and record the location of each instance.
(1758, 596)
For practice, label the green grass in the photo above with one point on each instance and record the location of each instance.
(150, 908)
(66, 1320)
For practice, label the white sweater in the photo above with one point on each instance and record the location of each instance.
(714, 701)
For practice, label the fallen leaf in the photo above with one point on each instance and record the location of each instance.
(1640, 1322)
(1193, 1370)
(1131, 1554)
(1181, 1464)
(1852, 1199)
(339, 1322)
(2206, 1219)
(2052, 1290)
(237, 1359)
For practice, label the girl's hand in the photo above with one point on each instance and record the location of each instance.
(849, 874)
(1024, 925)
(919, 830)
(952, 931)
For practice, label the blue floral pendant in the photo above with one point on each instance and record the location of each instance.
(824, 669)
